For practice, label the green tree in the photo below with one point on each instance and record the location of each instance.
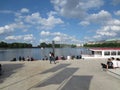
(43, 45)
(3, 44)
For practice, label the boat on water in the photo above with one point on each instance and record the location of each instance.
(103, 53)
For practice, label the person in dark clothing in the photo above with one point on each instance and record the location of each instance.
(56, 58)
(23, 58)
(20, 58)
(32, 59)
(104, 66)
(14, 59)
(52, 58)
(109, 64)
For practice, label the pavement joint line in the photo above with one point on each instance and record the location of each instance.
(114, 73)
(46, 79)
(64, 82)
(118, 75)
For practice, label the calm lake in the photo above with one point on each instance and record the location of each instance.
(38, 53)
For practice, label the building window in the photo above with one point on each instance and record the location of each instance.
(98, 53)
(118, 52)
(113, 53)
(106, 53)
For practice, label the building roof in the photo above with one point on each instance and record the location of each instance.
(103, 49)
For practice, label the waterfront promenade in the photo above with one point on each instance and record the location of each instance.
(64, 75)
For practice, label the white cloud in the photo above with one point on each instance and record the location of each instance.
(57, 37)
(115, 28)
(13, 38)
(52, 13)
(25, 30)
(110, 30)
(28, 37)
(16, 13)
(84, 23)
(24, 22)
(103, 33)
(46, 40)
(58, 34)
(117, 13)
(10, 27)
(24, 10)
(50, 22)
(43, 23)
(114, 22)
(75, 8)
(23, 38)
(34, 18)
(5, 29)
(45, 33)
(102, 17)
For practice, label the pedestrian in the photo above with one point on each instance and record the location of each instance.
(52, 58)
(20, 58)
(28, 58)
(32, 59)
(23, 58)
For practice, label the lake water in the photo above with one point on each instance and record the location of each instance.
(37, 53)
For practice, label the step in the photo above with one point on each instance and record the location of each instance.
(114, 72)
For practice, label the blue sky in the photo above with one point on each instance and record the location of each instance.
(64, 21)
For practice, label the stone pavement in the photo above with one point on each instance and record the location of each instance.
(114, 72)
(65, 75)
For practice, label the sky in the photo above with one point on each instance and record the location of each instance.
(62, 21)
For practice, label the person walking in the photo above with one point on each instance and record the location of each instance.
(52, 57)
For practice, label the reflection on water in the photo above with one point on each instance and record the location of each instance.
(37, 53)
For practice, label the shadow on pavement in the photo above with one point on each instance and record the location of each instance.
(8, 70)
(54, 69)
(59, 77)
(78, 83)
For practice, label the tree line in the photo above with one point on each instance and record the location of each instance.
(49, 45)
(15, 45)
(27, 45)
(103, 45)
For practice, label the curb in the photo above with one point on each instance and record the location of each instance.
(114, 72)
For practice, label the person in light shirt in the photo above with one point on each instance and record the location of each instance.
(115, 64)
(118, 62)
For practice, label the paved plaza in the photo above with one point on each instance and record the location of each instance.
(64, 75)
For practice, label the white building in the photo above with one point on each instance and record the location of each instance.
(103, 53)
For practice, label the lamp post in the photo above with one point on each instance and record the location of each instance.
(53, 46)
